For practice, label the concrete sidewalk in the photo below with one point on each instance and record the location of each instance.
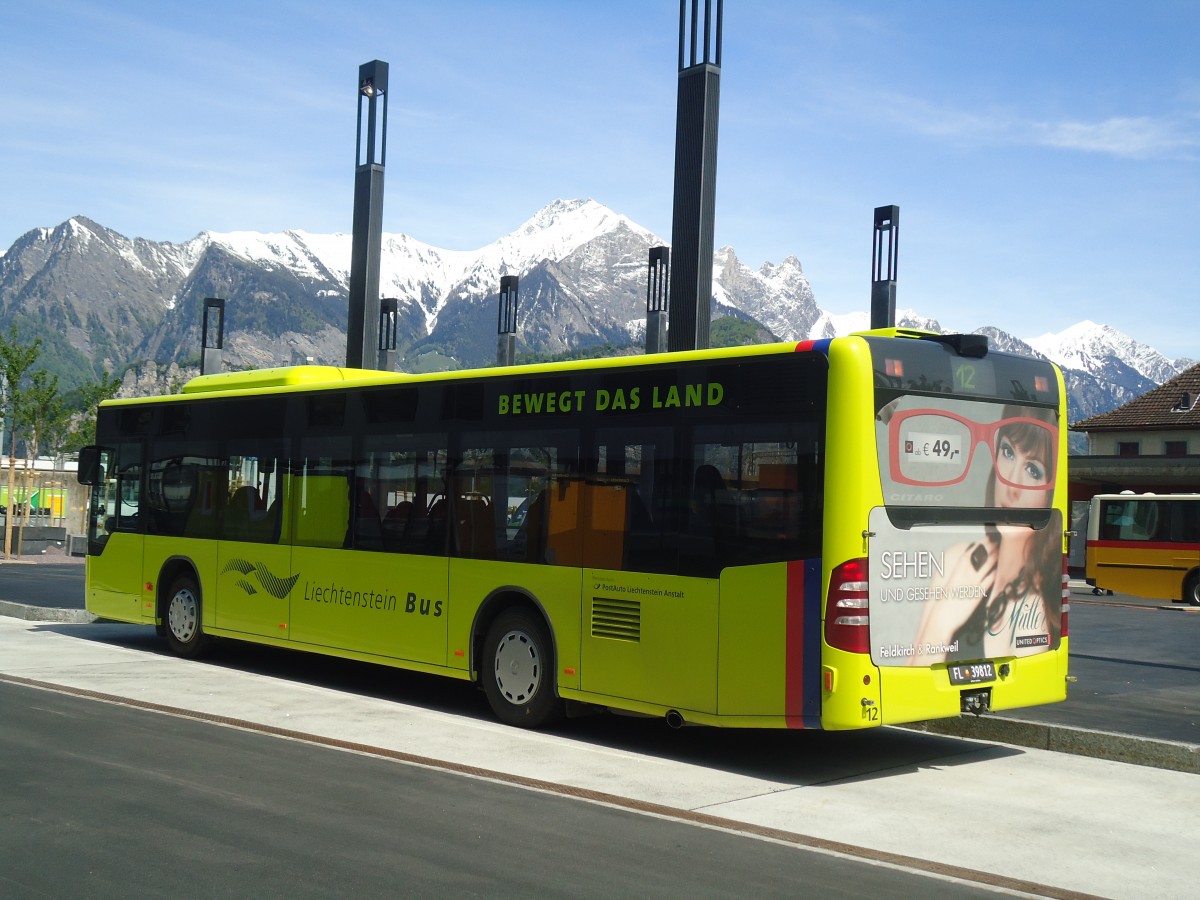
(1067, 821)
(1008, 728)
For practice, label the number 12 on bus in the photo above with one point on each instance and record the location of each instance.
(750, 537)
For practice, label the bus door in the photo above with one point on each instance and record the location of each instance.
(396, 602)
(512, 501)
(647, 633)
(1077, 554)
(114, 534)
(254, 567)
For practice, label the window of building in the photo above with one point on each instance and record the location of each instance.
(1127, 448)
(1175, 448)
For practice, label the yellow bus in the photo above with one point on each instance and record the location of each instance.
(828, 534)
(1145, 544)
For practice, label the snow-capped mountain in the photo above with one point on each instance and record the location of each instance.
(1089, 347)
(432, 277)
(100, 300)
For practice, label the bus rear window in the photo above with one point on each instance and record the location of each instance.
(947, 451)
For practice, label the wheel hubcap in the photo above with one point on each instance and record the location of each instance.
(181, 616)
(518, 668)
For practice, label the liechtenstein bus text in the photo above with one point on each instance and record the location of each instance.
(833, 534)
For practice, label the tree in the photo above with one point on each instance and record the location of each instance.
(46, 416)
(16, 358)
(44, 425)
(85, 401)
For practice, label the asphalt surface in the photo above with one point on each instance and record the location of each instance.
(1021, 820)
(1136, 691)
(363, 826)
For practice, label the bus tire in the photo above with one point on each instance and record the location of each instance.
(1191, 589)
(185, 633)
(518, 670)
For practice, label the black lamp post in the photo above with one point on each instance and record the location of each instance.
(362, 336)
(212, 337)
(388, 323)
(886, 247)
(657, 286)
(692, 218)
(506, 321)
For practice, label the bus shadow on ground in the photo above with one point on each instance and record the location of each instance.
(797, 758)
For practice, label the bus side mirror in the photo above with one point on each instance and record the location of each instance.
(89, 466)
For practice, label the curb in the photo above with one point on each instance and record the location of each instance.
(1125, 748)
(45, 614)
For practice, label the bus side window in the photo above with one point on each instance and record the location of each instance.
(536, 462)
(321, 493)
(368, 525)
(1145, 525)
(401, 474)
(207, 503)
(116, 499)
(777, 501)
(1116, 521)
(1185, 521)
(475, 531)
(252, 512)
(473, 503)
(766, 505)
(395, 524)
(711, 521)
(102, 487)
(129, 497)
(506, 500)
(635, 472)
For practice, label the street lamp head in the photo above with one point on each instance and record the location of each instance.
(372, 112)
(373, 78)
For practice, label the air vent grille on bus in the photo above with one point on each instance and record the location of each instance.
(619, 619)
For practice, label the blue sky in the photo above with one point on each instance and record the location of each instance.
(1044, 155)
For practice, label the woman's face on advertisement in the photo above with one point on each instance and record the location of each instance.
(1021, 473)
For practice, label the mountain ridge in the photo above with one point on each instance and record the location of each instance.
(103, 301)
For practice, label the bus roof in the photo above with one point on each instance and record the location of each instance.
(299, 378)
(309, 377)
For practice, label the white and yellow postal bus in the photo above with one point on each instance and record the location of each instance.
(831, 534)
(1145, 544)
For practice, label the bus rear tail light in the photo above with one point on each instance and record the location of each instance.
(847, 615)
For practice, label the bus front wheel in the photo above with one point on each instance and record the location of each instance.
(185, 634)
(518, 670)
(1191, 589)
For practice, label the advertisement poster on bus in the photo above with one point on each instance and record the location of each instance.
(967, 590)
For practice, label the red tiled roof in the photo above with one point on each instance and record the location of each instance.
(1160, 408)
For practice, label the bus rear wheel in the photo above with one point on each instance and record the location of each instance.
(518, 670)
(1191, 589)
(185, 633)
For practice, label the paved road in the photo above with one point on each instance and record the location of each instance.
(52, 582)
(988, 813)
(1137, 665)
(231, 822)
(1136, 695)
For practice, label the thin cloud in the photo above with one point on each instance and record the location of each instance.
(1126, 137)
(1137, 137)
